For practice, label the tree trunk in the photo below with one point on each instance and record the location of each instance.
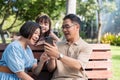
(99, 22)
(1, 31)
(3, 38)
(71, 7)
(99, 29)
(7, 8)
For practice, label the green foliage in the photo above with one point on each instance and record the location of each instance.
(60, 33)
(87, 9)
(25, 10)
(51, 7)
(112, 39)
(82, 34)
(13, 13)
(107, 38)
(87, 12)
(116, 40)
(108, 6)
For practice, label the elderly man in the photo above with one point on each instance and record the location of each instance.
(69, 58)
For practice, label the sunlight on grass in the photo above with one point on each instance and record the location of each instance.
(115, 62)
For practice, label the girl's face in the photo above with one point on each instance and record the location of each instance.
(35, 37)
(44, 25)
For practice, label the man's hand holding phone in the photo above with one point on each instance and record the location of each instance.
(49, 40)
(51, 50)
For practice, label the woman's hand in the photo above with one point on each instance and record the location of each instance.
(24, 76)
(38, 67)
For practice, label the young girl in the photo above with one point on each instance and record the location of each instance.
(18, 58)
(45, 24)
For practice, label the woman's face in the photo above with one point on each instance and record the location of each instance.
(35, 37)
(44, 25)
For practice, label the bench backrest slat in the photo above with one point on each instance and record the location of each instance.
(100, 55)
(99, 75)
(100, 47)
(99, 65)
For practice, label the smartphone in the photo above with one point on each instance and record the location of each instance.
(49, 40)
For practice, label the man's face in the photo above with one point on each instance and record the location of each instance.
(70, 29)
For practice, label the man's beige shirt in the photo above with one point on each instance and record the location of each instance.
(81, 51)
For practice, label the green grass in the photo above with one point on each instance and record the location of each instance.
(115, 62)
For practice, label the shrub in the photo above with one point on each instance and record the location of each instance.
(112, 39)
(117, 41)
(108, 38)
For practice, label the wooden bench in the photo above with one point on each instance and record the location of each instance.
(98, 68)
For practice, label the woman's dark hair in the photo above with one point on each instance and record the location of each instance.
(28, 29)
(46, 19)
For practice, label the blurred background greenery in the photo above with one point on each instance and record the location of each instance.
(115, 62)
(98, 16)
(100, 21)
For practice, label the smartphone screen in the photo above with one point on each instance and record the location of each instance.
(49, 40)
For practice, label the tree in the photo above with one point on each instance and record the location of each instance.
(87, 11)
(9, 8)
(105, 7)
(99, 22)
(24, 10)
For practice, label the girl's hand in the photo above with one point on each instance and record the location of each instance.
(44, 57)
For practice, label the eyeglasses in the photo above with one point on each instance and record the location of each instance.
(66, 26)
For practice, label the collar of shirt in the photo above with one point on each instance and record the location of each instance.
(75, 43)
